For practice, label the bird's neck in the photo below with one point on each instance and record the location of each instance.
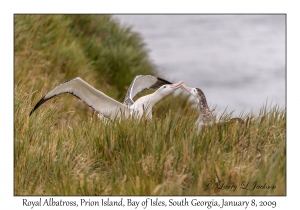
(150, 99)
(145, 104)
(155, 97)
(203, 106)
(206, 115)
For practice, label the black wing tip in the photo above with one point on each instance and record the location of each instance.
(34, 108)
(159, 79)
(43, 100)
(31, 112)
(163, 80)
(160, 82)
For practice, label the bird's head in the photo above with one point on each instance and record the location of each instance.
(167, 89)
(192, 91)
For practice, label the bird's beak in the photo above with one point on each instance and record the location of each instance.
(186, 88)
(177, 85)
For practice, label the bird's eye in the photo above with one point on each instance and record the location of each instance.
(165, 86)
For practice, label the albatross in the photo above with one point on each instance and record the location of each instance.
(141, 83)
(109, 107)
(206, 115)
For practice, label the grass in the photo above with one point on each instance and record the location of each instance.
(62, 149)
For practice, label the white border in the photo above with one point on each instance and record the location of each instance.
(8, 201)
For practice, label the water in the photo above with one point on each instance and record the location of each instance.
(237, 60)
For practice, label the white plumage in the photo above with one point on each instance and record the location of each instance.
(108, 106)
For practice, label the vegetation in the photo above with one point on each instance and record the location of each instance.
(62, 150)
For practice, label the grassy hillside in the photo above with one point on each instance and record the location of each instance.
(62, 150)
(50, 49)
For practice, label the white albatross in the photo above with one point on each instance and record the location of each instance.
(206, 115)
(141, 83)
(109, 107)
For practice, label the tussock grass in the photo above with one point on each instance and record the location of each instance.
(62, 150)
(165, 156)
(50, 49)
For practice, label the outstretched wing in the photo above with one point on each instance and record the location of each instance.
(141, 83)
(89, 95)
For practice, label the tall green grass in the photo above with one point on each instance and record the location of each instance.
(50, 49)
(63, 149)
(165, 156)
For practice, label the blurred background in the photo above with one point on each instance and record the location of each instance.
(238, 61)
